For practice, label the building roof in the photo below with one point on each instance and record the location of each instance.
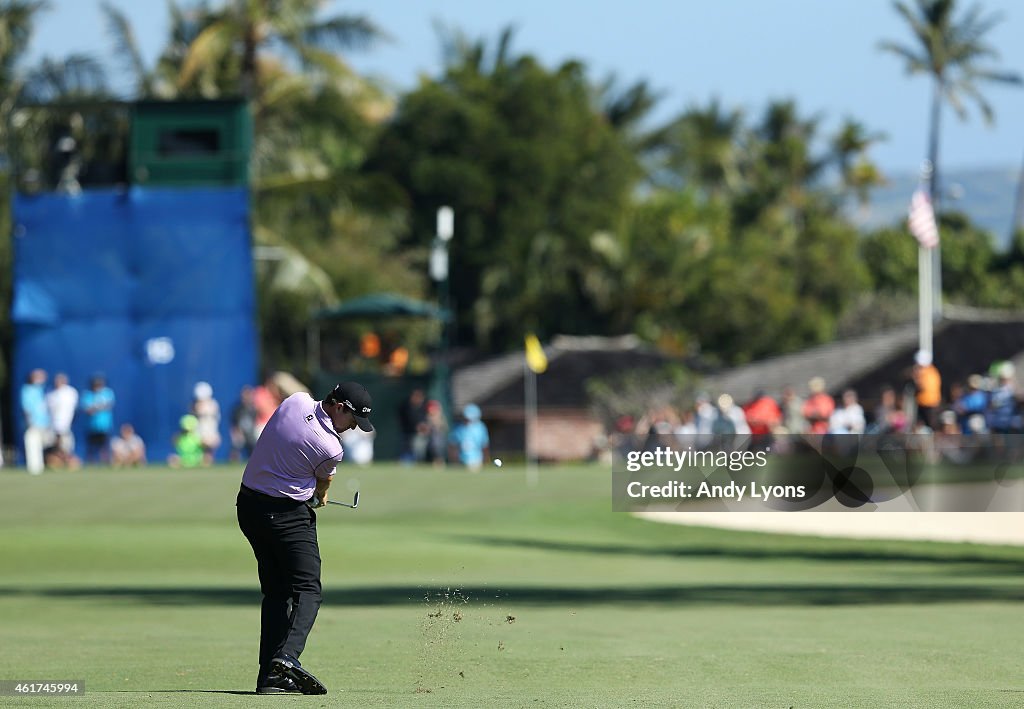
(966, 341)
(572, 361)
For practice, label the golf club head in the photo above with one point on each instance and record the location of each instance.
(355, 502)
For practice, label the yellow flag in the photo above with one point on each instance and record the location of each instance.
(535, 357)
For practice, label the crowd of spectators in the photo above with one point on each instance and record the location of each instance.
(428, 438)
(988, 403)
(49, 441)
(49, 413)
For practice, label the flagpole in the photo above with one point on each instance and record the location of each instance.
(935, 261)
(530, 395)
(534, 362)
(927, 275)
(924, 298)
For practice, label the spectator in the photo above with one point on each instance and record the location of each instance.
(970, 408)
(398, 360)
(128, 448)
(469, 440)
(792, 411)
(412, 420)
(949, 443)
(623, 437)
(358, 445)
(889, 417)
(207, 412)
(62, 402)
(98, 404)
(850, 417)
(819, 406)
(656, 427)
(730, 417)
(265, 399)
(243, 425)
(38, 433)
(369, 345)
(188, 447)
(706, 416)
(763, 414)
(928, 384)
(687, 425)
(1002, 409)
(437, 434)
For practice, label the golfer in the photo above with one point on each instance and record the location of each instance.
(292, 464)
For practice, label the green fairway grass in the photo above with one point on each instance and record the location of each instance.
(447, 589)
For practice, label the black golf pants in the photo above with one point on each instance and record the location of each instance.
(282, 533)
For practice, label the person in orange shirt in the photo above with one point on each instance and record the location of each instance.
(763, 414)
(928, 383)
(265, 400)
(819, 406)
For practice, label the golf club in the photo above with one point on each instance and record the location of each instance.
(355, 502)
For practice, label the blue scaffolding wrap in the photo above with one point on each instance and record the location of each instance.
(153, 288)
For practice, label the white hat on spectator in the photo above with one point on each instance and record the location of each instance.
(923, 358)
(203, 391)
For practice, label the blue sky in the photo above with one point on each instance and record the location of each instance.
(822, 53)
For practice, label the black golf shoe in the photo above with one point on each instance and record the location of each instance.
(289, 667)
(276, 683)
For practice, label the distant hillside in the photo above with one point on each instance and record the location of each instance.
(986, 195)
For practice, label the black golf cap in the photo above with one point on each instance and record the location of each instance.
(357, 400)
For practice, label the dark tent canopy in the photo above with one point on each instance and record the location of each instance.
(378, 305)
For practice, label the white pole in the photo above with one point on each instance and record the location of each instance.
(924, 297)
(530, 396)
(928, 278)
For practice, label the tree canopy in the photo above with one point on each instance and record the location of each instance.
(719, 232)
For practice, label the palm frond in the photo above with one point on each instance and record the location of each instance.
(916, 63)
(74, 77)
(127, 48)
(970, 90)
(16, 24)
(503, 52)
(209, 46)
(344, 32)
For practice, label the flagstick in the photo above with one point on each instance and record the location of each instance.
(530, 395)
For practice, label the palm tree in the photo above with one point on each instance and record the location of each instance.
(951, 50)
(127, 49)
(17, 18)
(850, 146)
(705, 148)
(243, 28)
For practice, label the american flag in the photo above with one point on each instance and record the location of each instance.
(921, 220)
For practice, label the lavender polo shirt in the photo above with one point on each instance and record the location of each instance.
(297, 446)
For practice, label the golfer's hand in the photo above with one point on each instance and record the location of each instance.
(320, 493)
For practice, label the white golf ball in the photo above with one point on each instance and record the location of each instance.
(497, 461)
